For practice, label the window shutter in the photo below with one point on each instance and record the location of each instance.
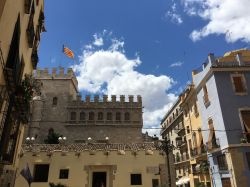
(238, 84)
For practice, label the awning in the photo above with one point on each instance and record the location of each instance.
(183, 180)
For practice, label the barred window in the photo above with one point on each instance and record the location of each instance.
(127, 116)
(73, 116)
(109, 116)
(82, 116)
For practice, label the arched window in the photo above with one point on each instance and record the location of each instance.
(73, 116)
(109, 116)
(118, 116)
(82, 116)
(100, 116)
(54, 101)
(91, 116)
(127, 116)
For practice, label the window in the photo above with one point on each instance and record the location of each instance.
(239, 84)
(205, 96)
(222, 163)
(100, 116)
(82, 116)
(73, 116)
(54, 101)
(188, 130)
(91, 116)
(109, 116)
(196, 109)
(118, 116)
(135, 179)
(41, 173)
(64, 174)
(127, 116)
(245, 115)
(226, 182)
(155, 183)
(248, 159)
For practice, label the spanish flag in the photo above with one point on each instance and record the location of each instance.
(69, 53)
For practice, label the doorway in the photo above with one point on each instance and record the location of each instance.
(99, 179)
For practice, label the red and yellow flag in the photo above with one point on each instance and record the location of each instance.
(69, 53)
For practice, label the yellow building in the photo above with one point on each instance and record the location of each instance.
(199, 167)
(92, 164)
(21, 23)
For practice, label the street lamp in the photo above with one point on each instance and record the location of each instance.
(62, 140)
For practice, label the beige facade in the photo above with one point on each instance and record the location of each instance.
(199, 167)
(86, 162)
(21, 23)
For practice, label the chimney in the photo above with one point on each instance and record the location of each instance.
(87, 98)
(96, 98)
(105, 98)
(122, 98)
(131, 98)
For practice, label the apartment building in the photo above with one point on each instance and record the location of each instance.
(222, 87)
(199, 168)
(177, 159)
(21, 23)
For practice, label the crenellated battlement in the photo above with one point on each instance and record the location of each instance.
(54, 73)
(112, 99)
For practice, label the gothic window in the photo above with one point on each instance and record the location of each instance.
(73, 116)
(109, 116)
(127, 116)
(82, 116)
(54, 101)
(118, 116)
(100, 116)
(91, 116)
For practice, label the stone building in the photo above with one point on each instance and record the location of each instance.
(222, 86)
(61, 107)
(21, 23)
(101, 143)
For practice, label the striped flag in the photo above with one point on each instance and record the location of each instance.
(68, 52)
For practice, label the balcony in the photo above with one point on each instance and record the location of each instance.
(181, 141)
(179, 128)
(206, 100)
(214, 144)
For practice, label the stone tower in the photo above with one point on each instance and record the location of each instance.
(61, 107)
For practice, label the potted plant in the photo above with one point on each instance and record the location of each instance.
(243, 140)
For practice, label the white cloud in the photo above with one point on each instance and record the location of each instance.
(176, 64)
(173, 15)
(228, 17)
(98, 40)
(111, 72)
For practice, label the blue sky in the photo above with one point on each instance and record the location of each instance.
(122, 45)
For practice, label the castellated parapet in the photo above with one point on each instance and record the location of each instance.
(104, 101)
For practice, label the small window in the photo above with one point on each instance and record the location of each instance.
(54, 101)
(73, 116)
(155, 182)
(118, 116)
(64, 174)
(222, 163)
(135, 179)
(109, 116)
(205, 96)
(100, 116)
(239, 83)
(127, 116)
(188, 130)
(41, 173)
(82, 116)
(91, 116)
